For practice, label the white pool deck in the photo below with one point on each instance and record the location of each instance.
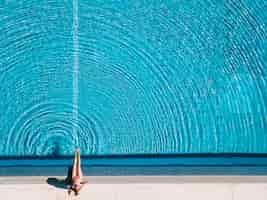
(140, 187)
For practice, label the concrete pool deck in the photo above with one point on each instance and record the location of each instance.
(140, 187)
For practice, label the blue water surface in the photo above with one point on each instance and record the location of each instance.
(133, 77)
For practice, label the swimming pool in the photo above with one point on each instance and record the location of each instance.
(132, 78)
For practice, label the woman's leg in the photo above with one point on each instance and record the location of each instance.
(78, 166)
(74, 167)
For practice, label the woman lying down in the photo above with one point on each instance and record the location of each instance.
(75, 182)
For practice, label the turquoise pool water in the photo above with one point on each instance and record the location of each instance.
(133, 77)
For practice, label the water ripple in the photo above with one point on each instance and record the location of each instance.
(41, 124)
(133, 77)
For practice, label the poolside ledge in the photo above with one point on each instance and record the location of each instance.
(140, 187)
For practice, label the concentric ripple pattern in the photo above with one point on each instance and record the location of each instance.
(133, 77)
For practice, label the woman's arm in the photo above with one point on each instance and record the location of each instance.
(84, 182)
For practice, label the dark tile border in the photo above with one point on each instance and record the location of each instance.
(119, 165)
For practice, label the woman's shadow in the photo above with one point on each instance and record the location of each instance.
(59, 183)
